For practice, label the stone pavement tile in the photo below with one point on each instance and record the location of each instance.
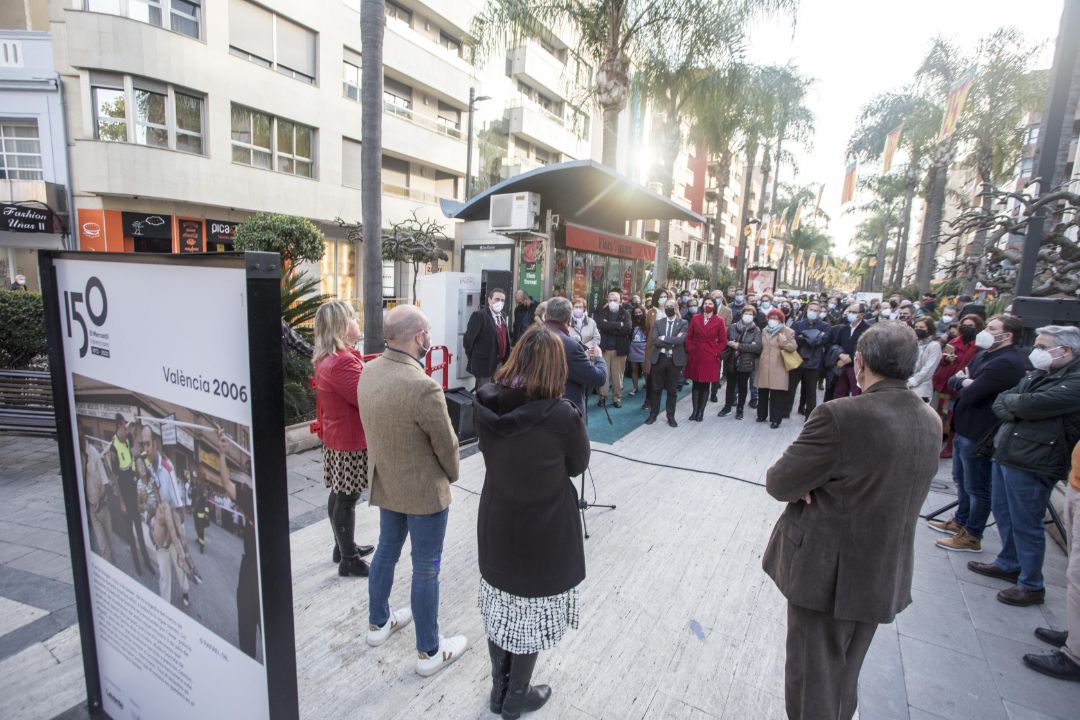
(944, 623)
(1018, 684)
(1054, 609)
(881, 697)
(761, 655)
(10, 551)
(43, 680)
(665, 707)
(746, 701)
(989, 615)
(26, 587)
(40, 630)
(314, 496)
(14, 615)
(35, 537)
(40, 562)
(913, 714)
(1019, 712)
(949, 683)
(934, 574)
(959, 562)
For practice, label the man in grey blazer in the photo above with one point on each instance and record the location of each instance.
(668, 339)
(843, 550)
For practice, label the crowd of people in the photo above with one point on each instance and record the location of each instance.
(950, 377)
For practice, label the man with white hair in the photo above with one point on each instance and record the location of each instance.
(412, 459)
(1040, 423)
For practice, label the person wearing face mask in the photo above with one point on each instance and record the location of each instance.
(745, 337)
(738, 302)
(811, 334)
(615, 329)
(996, 368)
(835, 313)
(638, 340)
(668, 359)
(845, 339)
(948, 321)
(842, 552)
(585, 368)
(582, 327)
(1040, 423)
(705, 342)
(412, 459)
(691, 309)
(955, 356)
(922, 380)
(659, 301)
(487, 338)
(772, 376)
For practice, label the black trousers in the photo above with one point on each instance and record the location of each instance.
(806, 378)
(132, 530)
(771, 404)
(341, 509)
(247, 605)
(737, 382)
(664, 376)
(821, 671)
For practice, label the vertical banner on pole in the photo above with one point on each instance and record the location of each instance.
(170, 421)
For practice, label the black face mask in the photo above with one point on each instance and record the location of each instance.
(967, 333)
(921, 333)
(670, 312)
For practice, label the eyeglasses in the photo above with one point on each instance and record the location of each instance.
(1047, 349)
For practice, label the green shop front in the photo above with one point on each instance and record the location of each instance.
(579, 245)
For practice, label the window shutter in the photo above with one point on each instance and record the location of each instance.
(251, 28)
(295, 47)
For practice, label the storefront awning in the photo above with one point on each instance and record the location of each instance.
(580, 191)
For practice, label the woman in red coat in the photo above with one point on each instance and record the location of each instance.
(337, 370)
(705, 342)
(957, 354)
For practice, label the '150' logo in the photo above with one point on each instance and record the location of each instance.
(96, 305)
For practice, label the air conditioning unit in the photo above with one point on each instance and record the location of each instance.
(515, 212)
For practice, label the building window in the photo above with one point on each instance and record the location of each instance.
(161, 115)
(350, 163)
(1032, 135)
(450, 119)
(398, 12)
(450, 42)
(268, 142)
(350, 77)
(20, 151)
(265, 38)
(397, 97)
(185, 16)
(1027, 166)
(110, 115)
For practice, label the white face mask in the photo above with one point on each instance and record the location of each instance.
(811, 315)
(948, 318)
(497, 306)
(747, 319)
(663, 299)
(852, 317)
(613, 306)
(774, 323)
(984, 340)
(766, 305)
(579, 313)
(1041, 359)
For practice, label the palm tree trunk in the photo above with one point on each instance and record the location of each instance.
(899, 262)
(776, 171)
(718, 222)
(372, 26)
(977, 258)
(766, 167)
(612, 87)
(744, 214)
(935, 209)
(611, 136)
(877, 276)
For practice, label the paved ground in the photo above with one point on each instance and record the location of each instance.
(711, 646)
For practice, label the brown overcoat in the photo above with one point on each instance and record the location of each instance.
(771, 373)
(412, 447)
(850, 552)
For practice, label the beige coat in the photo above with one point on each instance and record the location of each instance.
(771, 373)
(412, 447)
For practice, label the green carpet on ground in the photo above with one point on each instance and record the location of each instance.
(623, 420)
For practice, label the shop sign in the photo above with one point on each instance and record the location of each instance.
(221, 231)
(158, 227)
(582, 238)
(191, 235)
(530, 268)
(168, 430)
(20, 218)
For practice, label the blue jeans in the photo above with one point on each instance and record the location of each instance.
(427, 533)
(976, 480)
(963, 507)
(1019, 501)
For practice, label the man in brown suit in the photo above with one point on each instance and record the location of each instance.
(842, 552)
(412, 459)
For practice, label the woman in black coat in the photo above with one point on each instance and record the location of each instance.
(532, 557)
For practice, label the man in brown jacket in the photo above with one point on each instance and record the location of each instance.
(842, 552)
(412, 459)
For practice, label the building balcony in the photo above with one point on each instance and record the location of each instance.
(519, 166)
(425, 62)
(545, 129)
(538, 68)
(456, 13)
(409, 135)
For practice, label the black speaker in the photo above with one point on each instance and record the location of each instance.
(496, 279)
(459, 403)
(1038, 312)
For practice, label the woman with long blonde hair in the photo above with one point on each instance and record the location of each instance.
(337, 370)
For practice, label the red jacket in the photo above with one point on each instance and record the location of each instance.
(945, 370)
(704, 345)
(338, 424)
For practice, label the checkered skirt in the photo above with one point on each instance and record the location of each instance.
(524, 625)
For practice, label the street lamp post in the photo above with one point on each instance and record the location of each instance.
(473, 99)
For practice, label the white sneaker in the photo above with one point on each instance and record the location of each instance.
(398, 619)
(450, 649)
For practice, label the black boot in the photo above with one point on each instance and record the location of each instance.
(694, 405)
(352, 567)
(500, 675)
(520, 696)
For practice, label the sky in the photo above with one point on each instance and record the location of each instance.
(856, 49)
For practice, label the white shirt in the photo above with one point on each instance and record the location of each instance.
(166, 483)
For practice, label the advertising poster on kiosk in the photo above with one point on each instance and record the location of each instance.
(760, 280)
(172, 452)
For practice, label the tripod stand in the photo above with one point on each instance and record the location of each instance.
(584, 504)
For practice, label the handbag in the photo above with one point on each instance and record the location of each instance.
(792, 359)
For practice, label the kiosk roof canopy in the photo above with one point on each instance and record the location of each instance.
(580, 191)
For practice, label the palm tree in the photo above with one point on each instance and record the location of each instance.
(794, 121)
(759, 102)
(789, 199)
(887, 193)
(372, 25)
(1004, 90)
